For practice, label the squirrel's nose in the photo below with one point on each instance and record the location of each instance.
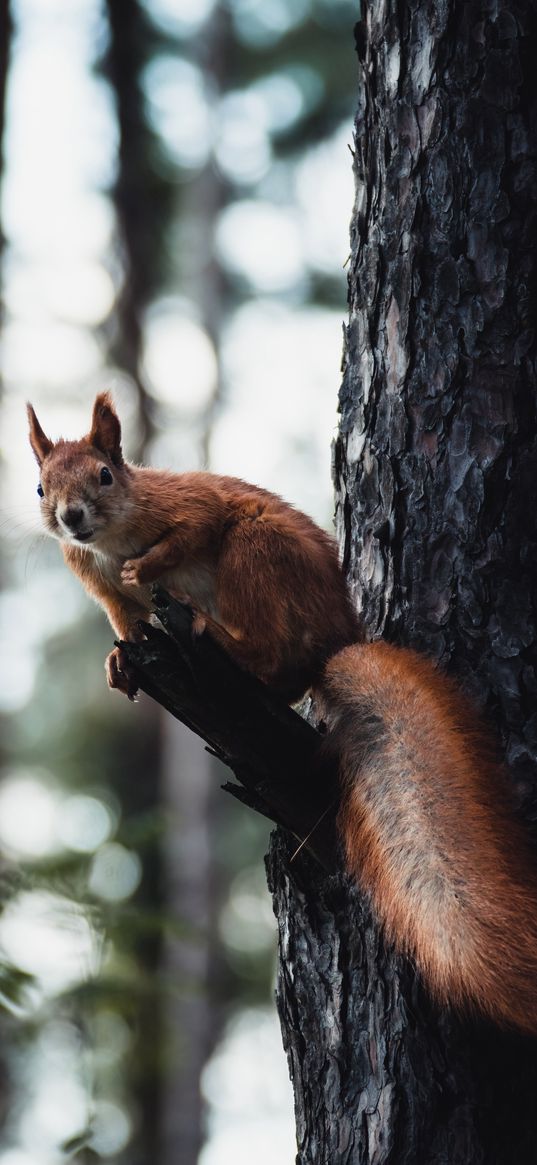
(72, 517)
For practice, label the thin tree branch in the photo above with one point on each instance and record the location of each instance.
(275, 755)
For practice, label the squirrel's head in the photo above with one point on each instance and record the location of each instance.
(83, 483)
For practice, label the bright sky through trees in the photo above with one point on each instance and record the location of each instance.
(279, 234)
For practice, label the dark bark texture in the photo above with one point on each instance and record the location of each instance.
(435, 468)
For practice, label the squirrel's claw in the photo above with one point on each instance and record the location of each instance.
(119, 675)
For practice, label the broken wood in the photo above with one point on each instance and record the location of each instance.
(275, 754)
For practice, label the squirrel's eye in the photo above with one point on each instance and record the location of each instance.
(40, 490)
(106, 476)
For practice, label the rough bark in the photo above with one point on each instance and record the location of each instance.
(434, 469)
(379, 1075)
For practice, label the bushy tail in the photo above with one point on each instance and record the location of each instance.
(429, 832)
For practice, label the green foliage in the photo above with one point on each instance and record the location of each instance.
(14, 985)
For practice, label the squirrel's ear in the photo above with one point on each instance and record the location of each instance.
(105, 428)
(41, 444)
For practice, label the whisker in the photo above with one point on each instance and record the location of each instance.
(36, 547)
(18, 531)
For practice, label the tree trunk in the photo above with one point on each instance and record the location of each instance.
(192, 1017)
(6, 28)
(183, 1024)
(143, 198)
(435, 468)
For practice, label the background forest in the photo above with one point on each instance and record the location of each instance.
(175, 196)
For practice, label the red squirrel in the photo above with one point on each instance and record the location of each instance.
(425, 821)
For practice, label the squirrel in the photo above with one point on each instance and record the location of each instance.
(425, 820)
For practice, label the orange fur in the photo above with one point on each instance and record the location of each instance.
(429, 832)
(261, 575)
(425, 819)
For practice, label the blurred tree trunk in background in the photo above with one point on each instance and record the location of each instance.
(207, 195)
(180, 1024)
(6, 30)
(143, 198)
(193, 1021)
(137, 216)
(435, 472)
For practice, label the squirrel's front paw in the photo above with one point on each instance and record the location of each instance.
(132, 572)
(119, 675)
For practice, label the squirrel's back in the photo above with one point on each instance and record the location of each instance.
(429, 832)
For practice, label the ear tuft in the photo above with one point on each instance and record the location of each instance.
(41, 444)
(105, 432)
